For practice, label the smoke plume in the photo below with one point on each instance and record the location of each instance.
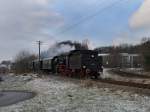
(76, 45)
(63, 47)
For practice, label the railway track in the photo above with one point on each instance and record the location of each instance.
(126, 83)
(128, 74)
(123, 83)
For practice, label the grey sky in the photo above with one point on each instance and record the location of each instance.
(22, 22)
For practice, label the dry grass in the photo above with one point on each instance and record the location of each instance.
(88, 83)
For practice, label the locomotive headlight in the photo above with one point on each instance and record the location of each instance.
(92, 56)
(84, 67)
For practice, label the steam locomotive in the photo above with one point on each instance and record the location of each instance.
(76, 63)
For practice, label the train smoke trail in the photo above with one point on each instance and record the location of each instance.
(63, 47)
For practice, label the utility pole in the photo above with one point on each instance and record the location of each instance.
(39, 46)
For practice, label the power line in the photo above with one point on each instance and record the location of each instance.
(95, 5)
(83, 20)
(89, 17)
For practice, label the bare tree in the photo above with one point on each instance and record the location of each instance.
(23, 62)
(145, 51)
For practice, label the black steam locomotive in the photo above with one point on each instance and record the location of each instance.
(77, 63)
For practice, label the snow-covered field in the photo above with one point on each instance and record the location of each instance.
(56, 94)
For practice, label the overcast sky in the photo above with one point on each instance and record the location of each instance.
(23, 22)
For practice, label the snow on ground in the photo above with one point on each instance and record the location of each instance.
(107, 75)
(56, 94)
(139, 71)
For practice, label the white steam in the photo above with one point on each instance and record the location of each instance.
(56, 50)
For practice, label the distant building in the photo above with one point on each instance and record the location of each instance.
(4, 69)
(130, 60)
(106, 59)
(122, 60)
